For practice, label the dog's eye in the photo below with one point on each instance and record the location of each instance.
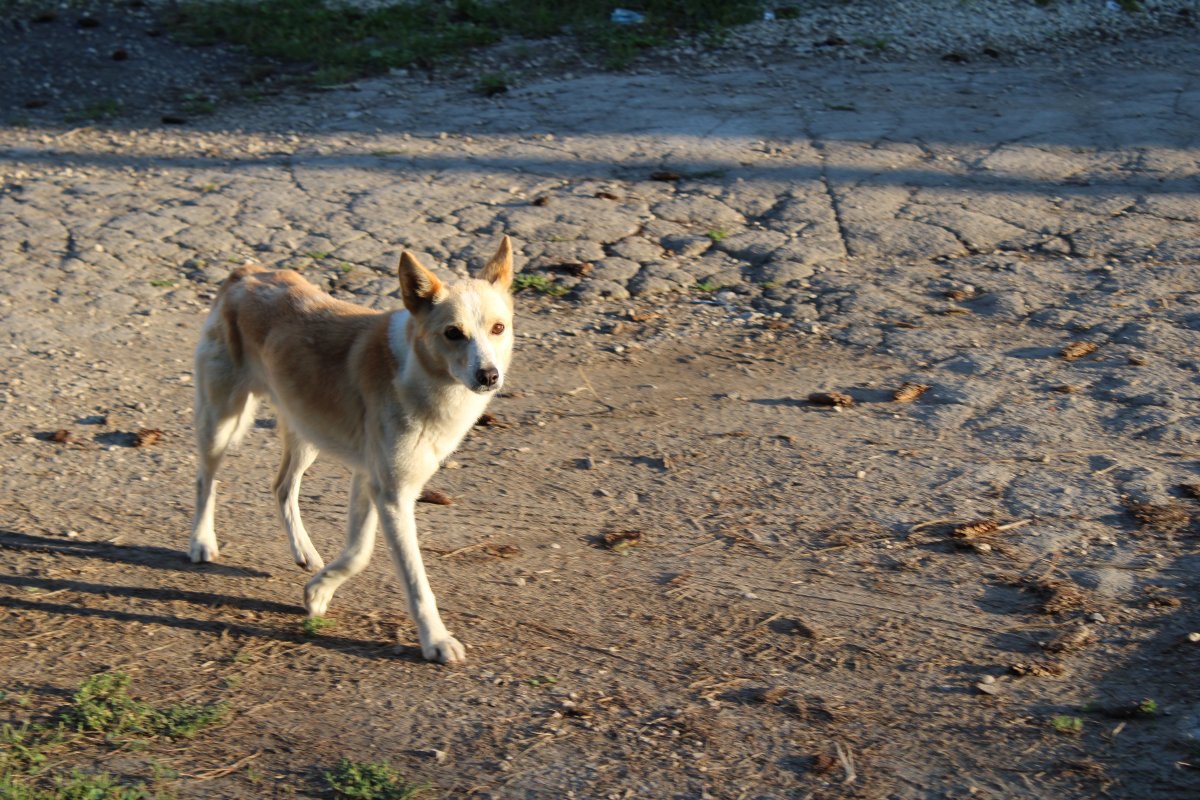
(498, 329)
(454, 333)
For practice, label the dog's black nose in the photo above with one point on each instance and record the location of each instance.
(487, 376)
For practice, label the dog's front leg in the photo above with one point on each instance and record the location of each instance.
(396, 513)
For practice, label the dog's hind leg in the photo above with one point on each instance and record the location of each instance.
(360, 539)
(298, 455)
(223, 413)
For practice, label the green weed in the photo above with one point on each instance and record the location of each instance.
(491, 84)
(369, 781)
(707, 286)
(30, 752)
(1062, 723)
(537, 283)
(314, 625)
(99, 111)
(103, 705)
(165, 283)
(878, 44)
(717, 234)
(341, 42)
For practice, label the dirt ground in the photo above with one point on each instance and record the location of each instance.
(676, 574)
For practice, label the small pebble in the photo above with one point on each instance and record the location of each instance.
(1194, 636)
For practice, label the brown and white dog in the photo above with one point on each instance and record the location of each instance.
(389, 393)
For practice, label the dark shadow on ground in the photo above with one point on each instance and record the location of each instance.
(139, 555)
(341, 644)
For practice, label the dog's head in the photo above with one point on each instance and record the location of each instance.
(463, 330)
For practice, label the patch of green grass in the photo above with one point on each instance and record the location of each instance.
(340, 42)
(707, 286)
(537, 283)
(99, 111)
(369, 781)
(103, 705)
(314, 625)
(878, 43)
(162, 284)
(199, 104)
(1065, 724)
(1147, 707)
(542, 680)
(32, 754)
(491, 84)
(717, 234)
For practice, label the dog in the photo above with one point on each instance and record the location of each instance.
(391, 394)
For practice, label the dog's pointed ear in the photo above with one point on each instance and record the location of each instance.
(499, 270)
(418, 286)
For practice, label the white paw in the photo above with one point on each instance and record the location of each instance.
(202, 552)
(316, 597)
(446, 650)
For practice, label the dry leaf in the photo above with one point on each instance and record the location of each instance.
(1076, 350)
(971, 530)
(1071, 641)
(621, 541)
(146, 437)
(61, 436)
(502, 550)
(435, 497)
(1037, 669)
(909, 392)
(488, 420)
(824, 763)
(835, 399)
(1061, 596)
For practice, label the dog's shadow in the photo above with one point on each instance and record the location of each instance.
(139, 556)
(164, 558)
